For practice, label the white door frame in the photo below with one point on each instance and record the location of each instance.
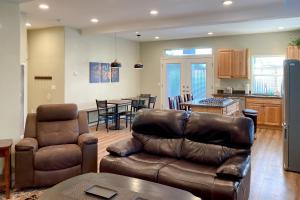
(186, 61)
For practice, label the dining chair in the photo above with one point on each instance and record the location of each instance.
(189, 97)
(145, 97)
(104, 112)
(151, 102)
(179, 101)
(171, 103)
(134, 107)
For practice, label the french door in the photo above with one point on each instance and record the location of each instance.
(182, 76)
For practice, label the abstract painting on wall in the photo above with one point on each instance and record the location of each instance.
(95, 72)
(115, 76)
(105, 72)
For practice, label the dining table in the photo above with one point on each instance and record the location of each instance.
(117, 104)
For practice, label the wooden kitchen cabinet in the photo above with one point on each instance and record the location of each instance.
(240, 64)
(293, 52)
(233, 63)
(269, 110)
(259, 109)
(273, 115)
(225, 59)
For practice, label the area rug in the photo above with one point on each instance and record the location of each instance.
(30, 194)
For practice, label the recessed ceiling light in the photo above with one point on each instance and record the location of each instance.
(28, 24)
(154, 12)
(227, 3)
(210, 33)
(94, 20)
(156, 37)
(44, 6)
(280, 27)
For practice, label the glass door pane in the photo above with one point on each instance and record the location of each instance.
(198, 82)
(173, 78)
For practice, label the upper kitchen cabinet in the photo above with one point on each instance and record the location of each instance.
(233, 63)
(293, 52)
(225, 63)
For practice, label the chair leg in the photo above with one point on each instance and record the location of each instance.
(130, 122)
(106, 123)
(126, 119)
(97, 124)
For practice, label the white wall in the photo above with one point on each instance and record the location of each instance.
(82, 49)
(24, 62)
(10, 102)
(258, 44)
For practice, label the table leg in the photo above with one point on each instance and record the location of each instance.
(117, 121)
(7, 173)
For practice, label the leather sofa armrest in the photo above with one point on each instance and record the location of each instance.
(89, 147)
(125, 147)
(235, 167)
(24, 159)
(27, 144)
(87, 139)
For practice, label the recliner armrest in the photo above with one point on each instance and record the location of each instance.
(125, 147)
(27, 144)
(235, 167)
(87, 139)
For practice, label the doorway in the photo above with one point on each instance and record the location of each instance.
(186, 75)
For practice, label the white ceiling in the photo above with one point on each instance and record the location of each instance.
(176, 19)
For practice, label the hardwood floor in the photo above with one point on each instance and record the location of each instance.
(268, 179)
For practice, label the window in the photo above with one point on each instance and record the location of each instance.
(188, 52)
(267, 74)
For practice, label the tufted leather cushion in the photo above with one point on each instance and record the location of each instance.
(221, 130)
(59, 132)
(141, 165)
(57, 112)
(165, 123)
(195, 178)
(208, 153)
(57, 157)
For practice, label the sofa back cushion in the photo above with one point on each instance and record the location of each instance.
(57, 124)
(55, 133)
(222, 130)
(162, 123)
(170, 147)
(208, 153)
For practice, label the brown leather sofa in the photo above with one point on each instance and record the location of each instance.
(55, 147)
(206, 154)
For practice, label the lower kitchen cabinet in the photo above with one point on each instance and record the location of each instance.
(269, 110)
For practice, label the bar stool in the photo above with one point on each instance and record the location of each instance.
(253, 115)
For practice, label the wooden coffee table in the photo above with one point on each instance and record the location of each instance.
(128, 188)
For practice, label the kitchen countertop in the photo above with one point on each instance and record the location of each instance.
(196, 102)
(248, 95)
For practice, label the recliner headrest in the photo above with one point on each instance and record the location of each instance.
(57, 112)
(164, 123)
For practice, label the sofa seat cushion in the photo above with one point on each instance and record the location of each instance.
(57, 157)
(141, 165)
(195, 178)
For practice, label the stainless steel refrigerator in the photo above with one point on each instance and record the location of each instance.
(291, 113)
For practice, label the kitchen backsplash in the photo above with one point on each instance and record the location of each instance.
(236, 84)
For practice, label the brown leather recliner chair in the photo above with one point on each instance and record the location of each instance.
(56, 146)
(206, 154)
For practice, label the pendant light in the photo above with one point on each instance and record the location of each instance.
(139, 64)
(115, 63)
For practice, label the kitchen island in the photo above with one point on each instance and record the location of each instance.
(221, 106)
